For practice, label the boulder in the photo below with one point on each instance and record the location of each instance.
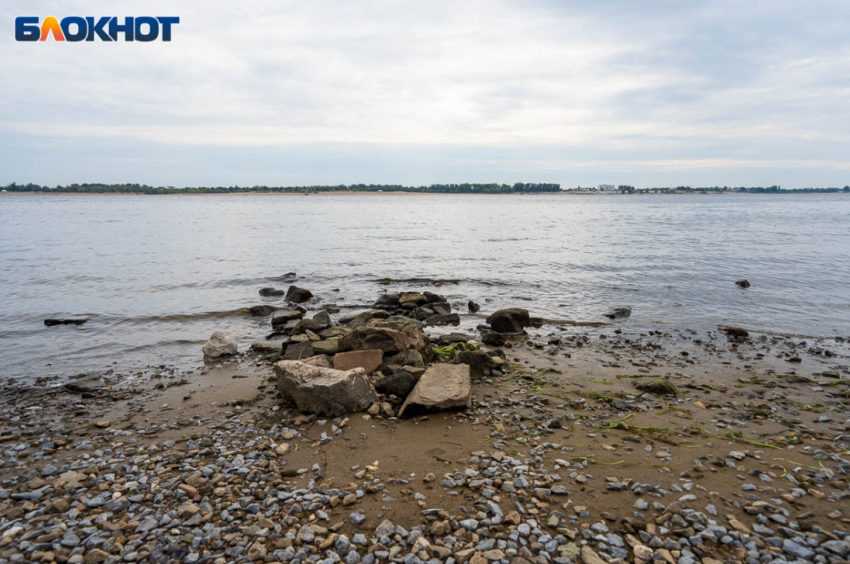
(324, 391)
(320, 360)
(441, 387)
(221, 343)
(270, 292)
(304, 326)
(266, 347)
(409, 357)
(480, 363)
(322, 319)
(442, 308)
(328, 347)
(283, 317)
(298, 295)
(410, 300)
(473, 307)
(419, 341)
(511, 320)
(390, 341)
(452, 338)
(299, 351)
(398, 383)
(368, 360)
(447, 319)
(261, 310)
(386, 301)
(619, 312)
(492, 338)
(434, 298)
(743, 283)
(362, 318)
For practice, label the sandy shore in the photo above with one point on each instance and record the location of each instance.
(560, 458)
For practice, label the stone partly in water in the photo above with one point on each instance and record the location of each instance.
(298, 295)
(743, 283)
(324, 391)
(444, 319)
(473, 307)
(493, 338)
(261, 310)
(368, 360)
(270, 292)
(511, 320)
(619, 312)
(442, 387)
(52, 322)
(221, 343)
(284, 317)
(735, 331)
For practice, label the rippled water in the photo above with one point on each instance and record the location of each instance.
(157, 274)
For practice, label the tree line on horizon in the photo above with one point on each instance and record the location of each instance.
(96, 188)
(465, 188)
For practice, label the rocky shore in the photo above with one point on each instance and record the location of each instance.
(386, 436)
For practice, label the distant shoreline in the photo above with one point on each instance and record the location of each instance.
(403, 193)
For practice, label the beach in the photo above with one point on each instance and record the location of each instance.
(563, 454)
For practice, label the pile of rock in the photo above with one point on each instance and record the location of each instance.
(378, 360)
(428, 307)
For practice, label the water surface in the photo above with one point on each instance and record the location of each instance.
(157, 274)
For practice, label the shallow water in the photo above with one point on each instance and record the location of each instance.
(157, 274)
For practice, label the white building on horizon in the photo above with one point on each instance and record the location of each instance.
(607, 188)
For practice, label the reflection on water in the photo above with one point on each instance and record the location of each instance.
(157, 274)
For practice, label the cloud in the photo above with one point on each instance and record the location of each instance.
(638, 87)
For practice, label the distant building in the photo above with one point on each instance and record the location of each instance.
(607, 188)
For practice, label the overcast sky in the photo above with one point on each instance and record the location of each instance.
(319, 92)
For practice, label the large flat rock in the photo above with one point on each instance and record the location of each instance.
(324, 391)
(368, 360)
(442, 387)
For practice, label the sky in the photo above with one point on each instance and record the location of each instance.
(281, 93)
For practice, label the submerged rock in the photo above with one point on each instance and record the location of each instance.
(619, 312)
(511, 320)
(441, 387)
(52, 322)
(270, 292)
(221, 343)
(473, 307)
(324, 391)
(743, 283)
